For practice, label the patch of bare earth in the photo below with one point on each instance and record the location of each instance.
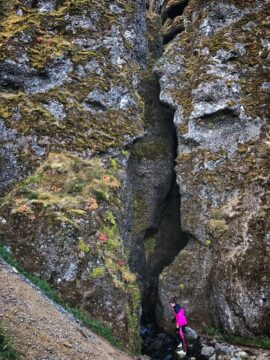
(40, 330)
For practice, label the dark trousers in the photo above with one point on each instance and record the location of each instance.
(180, 332)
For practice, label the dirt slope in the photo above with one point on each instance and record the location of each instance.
(41, 330)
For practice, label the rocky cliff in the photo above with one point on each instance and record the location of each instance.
(70, 107)
(98, 99)
(215, 75)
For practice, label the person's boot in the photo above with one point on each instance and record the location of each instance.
(182, 354)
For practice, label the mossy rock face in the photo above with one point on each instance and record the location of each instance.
(68, 75)
(69, 97)
(215, 74)
(60, 230)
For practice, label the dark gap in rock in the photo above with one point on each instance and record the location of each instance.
(222, 117)
(190, 142)
(10, 86)
(150, 232)
(135, 141)
(160, 242)
(153, 236)
(96, 105)
(34, 3)
(222, 112)
(170, 36)
(170, 238)
(177, 9)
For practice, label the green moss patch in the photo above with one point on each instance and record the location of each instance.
(148, 149)
(149, 245)
(132, 312)
(97, 272)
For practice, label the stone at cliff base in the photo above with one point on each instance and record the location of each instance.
(207, 351)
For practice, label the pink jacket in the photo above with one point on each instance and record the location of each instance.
(180, 317)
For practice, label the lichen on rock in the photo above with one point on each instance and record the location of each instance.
(70, 103)
(89, 138)
(213, 76)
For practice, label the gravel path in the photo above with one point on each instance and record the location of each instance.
(41, 330)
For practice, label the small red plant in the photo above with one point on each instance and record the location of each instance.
(103, 237)
(122, 262)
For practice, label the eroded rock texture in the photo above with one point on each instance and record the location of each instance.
(215, 75)
(69, 76)
(88, 192)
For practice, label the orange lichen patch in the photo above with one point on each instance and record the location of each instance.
(92, 204)
(106, 178)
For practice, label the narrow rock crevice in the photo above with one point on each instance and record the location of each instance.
(172, 20)
(170, 239)
(176, 9)
(154, 236)
(171, 33)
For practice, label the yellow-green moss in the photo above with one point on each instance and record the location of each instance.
(47, 49)
(140, 212)
(182, 286)
(148, 149)
(218, 213)
(83, 246)
(149, 245)
(217, 227)
(132, 313)
(67, 184)
(185, 157)
(97, 272)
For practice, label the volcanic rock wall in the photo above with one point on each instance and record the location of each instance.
(88, 194)
(215, 75)
(70, 107)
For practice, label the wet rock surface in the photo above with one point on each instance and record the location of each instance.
(157, 345)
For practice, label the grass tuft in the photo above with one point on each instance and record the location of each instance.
(6, 350)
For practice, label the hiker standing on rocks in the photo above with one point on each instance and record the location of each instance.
(180, 323)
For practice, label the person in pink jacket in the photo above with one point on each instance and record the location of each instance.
(180, 323)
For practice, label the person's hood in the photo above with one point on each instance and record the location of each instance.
(177, 308)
